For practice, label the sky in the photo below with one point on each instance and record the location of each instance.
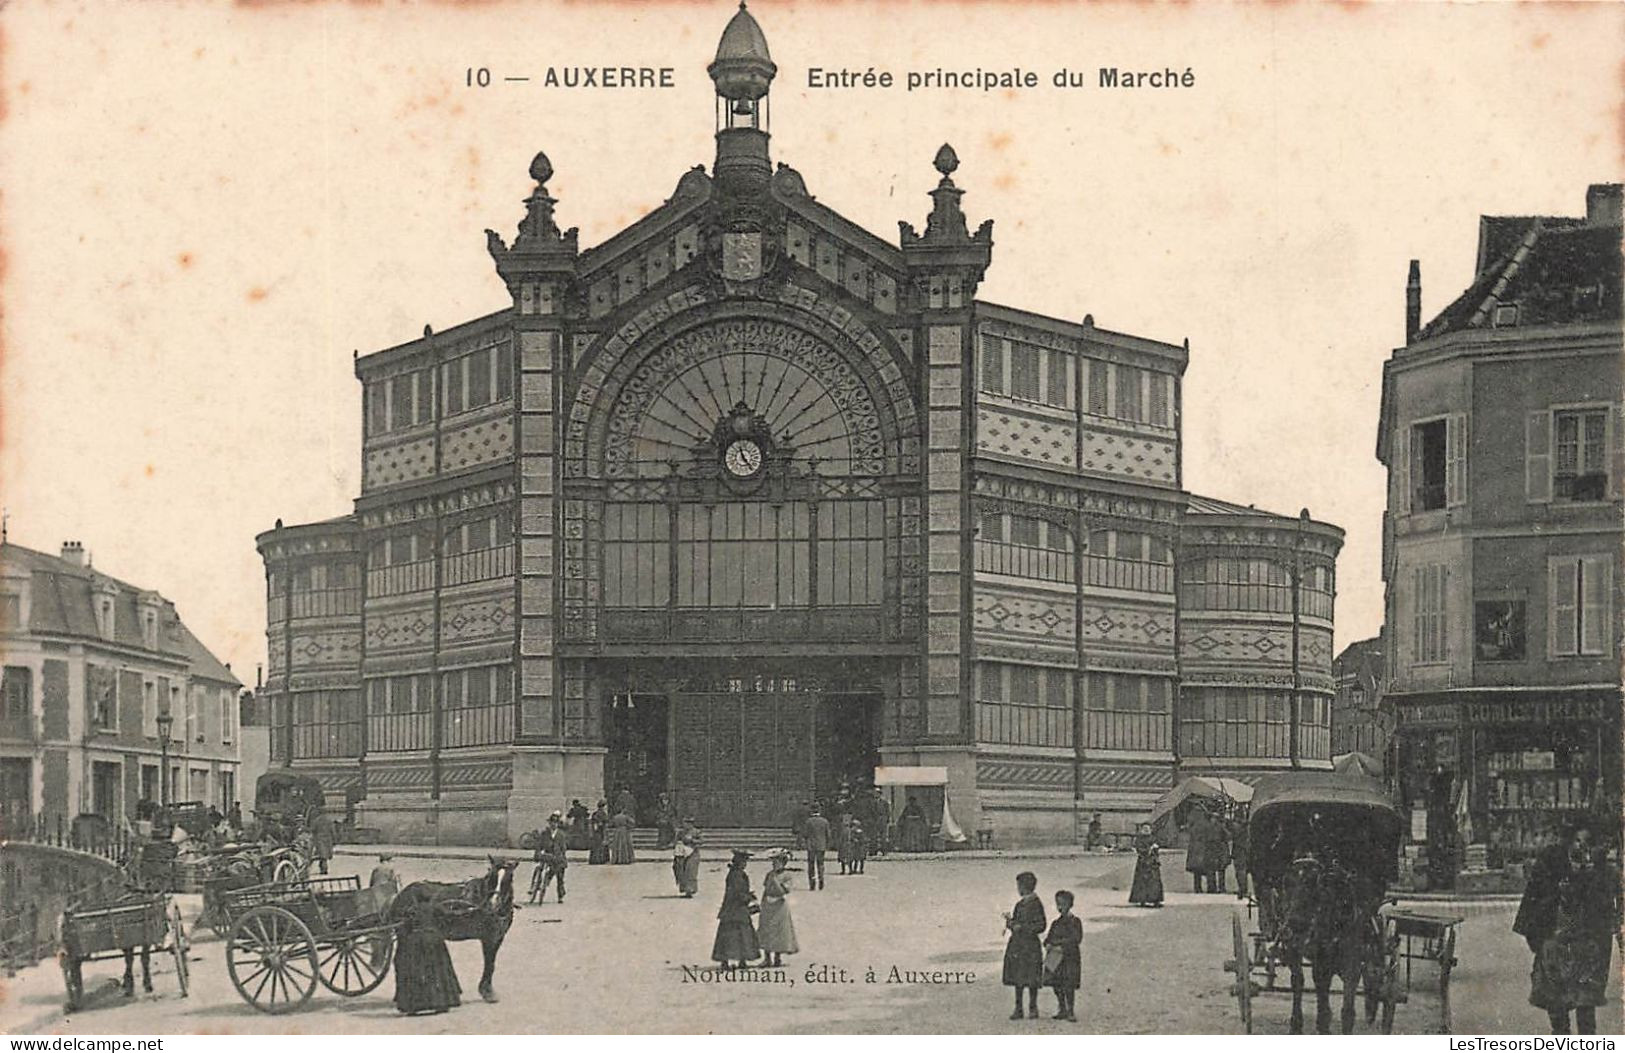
(208, 209)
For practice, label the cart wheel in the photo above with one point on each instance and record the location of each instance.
(1447, 961)
(353, 965)
(73, 979)
(1244, 972)
(285, 870)
(272, 960)
(178, 947)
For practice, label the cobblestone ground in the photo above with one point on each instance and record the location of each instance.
(612, 958)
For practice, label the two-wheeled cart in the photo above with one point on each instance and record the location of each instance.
(138, 923)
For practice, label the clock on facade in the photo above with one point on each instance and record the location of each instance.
(743, 458)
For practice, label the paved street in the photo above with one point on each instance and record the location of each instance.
(611, 960)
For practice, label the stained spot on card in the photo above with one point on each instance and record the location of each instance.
(184, 259)
(257, 293)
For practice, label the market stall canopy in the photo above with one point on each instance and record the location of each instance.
(902, 776)
(1358, 764)
(1210, 786)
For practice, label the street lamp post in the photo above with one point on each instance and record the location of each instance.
(165, 723)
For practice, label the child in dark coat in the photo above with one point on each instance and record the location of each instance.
(1063, 960)
(1023, 955)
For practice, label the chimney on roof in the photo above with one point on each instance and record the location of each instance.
(1413, 301)
(73, 552)
(1603, 205)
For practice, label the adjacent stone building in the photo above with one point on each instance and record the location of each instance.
(90, 663)
(746, 500)
(1502, 435)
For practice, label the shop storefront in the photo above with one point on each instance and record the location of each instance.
(1490, 777)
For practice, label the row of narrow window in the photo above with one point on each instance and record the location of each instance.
(467, 382)
(1047, 376)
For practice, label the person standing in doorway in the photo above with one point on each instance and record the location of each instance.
(817, 832)
(1023, 955)
(665, 826)
(625, 802)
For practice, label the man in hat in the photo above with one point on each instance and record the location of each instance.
(817, 831)
(551, 847)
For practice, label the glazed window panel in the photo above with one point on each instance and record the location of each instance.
(1057, 379)
(326, 724)
(851, 553)
(1128, 393)
(1581, 469)
(1023, 705)
(1126, 711)
(636, 555)
(1099, 388)
(1024, 547)
(1126, 559)
(992, 372)
(1024, 372)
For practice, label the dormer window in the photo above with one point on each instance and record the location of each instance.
(1506, 314)
(105, 624)
(11, 612)
(149, 629)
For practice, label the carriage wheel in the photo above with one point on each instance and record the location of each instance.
(1244, 972)
(1447, 961)
(272, 960)
(73, 979)
(177, 946)
(286, 870)
(353, 965)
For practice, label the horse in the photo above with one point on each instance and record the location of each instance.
(480, 908)
(1325, 918)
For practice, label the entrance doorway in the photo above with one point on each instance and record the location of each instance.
(747, 758)
(638, 730)
(104, 787)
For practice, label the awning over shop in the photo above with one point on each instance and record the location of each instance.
(908, 776)
(1210, 786)
(1358, 763)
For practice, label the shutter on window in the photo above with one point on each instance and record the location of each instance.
(1560, 630)
(1537, 460)
(1596, 580)
(1455, 446)
(1402, 469)
(1616, 451)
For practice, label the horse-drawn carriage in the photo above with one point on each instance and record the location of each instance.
(1324, 846)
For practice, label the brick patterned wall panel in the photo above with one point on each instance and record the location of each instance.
(1127, 626)
(1050, 618)
(1135, 457)
(480, 775)
(1007, 433)
(398, 463)
(398, 630)
(479, 443)
(325, 649)
(1124, 777)
(1266, 644)
(476, 619)
(1014, 774)
(382, 778)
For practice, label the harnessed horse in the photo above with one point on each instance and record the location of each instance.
(1324, 917)
(477, 909)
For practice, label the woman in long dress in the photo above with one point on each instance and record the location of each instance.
(598, 830)
(620, 839)
(1146, 890)
(736, 936)
(425, 981)
(912, 828)
(777, 933)
(685, 863)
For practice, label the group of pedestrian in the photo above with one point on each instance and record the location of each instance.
(739, 941)
(1034, 958)
(1207, 852)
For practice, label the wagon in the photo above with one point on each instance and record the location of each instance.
(288, 936)
(137, 923)
(1339, 825)
(1428, 936)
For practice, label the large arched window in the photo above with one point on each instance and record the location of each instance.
(744, 462)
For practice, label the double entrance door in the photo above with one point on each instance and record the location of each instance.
(746, 757)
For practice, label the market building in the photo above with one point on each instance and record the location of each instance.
(103, 683)
(1502, 435)
(746, 501)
